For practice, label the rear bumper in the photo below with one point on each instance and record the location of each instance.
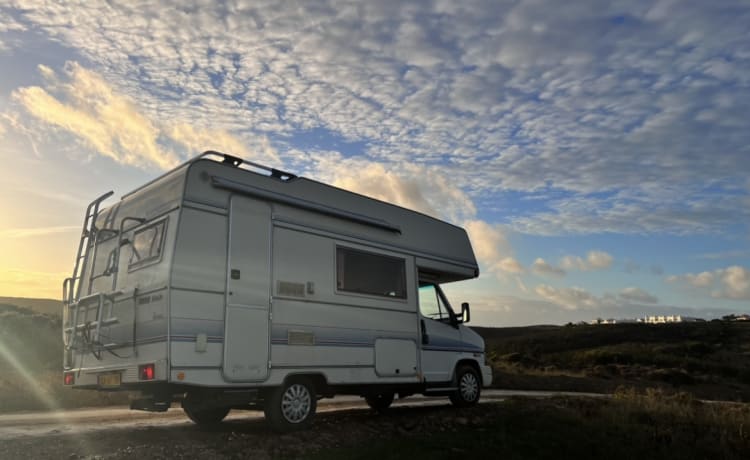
(486, 375)
(88, 377)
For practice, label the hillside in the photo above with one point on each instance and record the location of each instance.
(710, 360)
(31, 361)
(46, 306)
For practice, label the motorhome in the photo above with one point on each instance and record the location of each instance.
(225, 284)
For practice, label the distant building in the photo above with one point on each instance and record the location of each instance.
(736, 317)
(615, 321)
(663, 319)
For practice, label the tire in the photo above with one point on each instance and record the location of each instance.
(292, 406)
(469, 387)
(204, 416)
(380, 401)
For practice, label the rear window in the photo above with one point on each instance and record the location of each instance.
(147, 245)
(369, 273)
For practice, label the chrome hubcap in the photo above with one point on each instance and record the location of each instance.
(469, 387)
(296, 403)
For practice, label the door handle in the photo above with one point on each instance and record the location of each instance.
(425, 336)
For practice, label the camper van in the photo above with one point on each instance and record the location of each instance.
(225, 284)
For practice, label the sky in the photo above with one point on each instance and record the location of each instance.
(598, 153)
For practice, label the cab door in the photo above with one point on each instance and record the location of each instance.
(248, 293)
(441, 339)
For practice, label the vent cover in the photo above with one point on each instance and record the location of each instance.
(291, 289)
(300, 338)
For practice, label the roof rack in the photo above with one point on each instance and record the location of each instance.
(237, 162)
(227, 159)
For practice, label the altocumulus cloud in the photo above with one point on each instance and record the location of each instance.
(89, 108)
(581, 98)
(544, 268)
(595, 260)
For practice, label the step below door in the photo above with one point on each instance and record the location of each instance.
(246, 321)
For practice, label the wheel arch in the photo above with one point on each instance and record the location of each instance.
(468, 362)
(318, 379)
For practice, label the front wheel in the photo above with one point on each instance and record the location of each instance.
(469, 387)
(292, 406)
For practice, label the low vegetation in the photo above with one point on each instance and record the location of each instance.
(709, 359)
(31, 363)
(643, 425)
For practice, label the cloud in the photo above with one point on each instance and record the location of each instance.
(732, 282)
(637, 295)
(573, 298)
(111, 124)
(108, 123)
(489, 241)
(421, 188)
(198, 140)
(595, 260)
(612, 112)
(508, 265)
(577, 298)
(541, 267)
(38, 231)
(8, 24)
(492, 249)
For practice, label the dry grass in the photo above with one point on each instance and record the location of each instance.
(45, 391)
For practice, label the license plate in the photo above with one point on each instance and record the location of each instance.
(109, 380)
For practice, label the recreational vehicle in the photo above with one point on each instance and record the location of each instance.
(225, 284)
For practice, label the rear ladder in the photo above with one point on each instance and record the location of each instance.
(72, 285)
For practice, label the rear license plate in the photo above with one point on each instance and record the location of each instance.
(109, 380)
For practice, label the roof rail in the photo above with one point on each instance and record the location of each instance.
(226, 159)
(237, 162)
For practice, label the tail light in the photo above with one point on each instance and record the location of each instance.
(69, 378)
(146, 372)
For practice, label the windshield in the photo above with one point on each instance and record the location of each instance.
(432, 303)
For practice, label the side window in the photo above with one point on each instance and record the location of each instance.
(430, 304)
(147, 245)
(368, 273)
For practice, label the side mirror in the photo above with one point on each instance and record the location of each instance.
(465, 312)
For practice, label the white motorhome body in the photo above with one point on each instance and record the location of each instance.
(230, 285)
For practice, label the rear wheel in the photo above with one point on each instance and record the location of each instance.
(469, 387)
(292, 406)
(380, 401)
(203, 415)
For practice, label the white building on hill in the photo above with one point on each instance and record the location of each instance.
(662, 319)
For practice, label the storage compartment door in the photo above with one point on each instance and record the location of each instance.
(395, 358)
(246, 326)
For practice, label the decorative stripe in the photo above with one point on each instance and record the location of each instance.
(326, 343)
(462, 350)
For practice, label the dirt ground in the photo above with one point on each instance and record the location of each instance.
(242, 436)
